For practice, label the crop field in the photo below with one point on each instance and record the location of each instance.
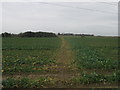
(60, 62)
(28, 55)
(97, 58)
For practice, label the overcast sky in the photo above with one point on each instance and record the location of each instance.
(73, 17)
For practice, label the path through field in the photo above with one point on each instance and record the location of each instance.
(62, 71)
(66, 68)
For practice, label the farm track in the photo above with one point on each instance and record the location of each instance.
(62, 71)
(67, 70)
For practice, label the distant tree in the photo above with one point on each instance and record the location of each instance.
(5, 34)
(27, 34)
(58, 33)
(37, 34)
(14, 35)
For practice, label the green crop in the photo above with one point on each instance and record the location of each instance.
(93, 55)
(27, 82)
(28, 54)
(16, 43)
(95, 52)
(90, 78)
(95, 58)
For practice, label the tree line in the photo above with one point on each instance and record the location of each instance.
(41, 34)
(71, 34)
(29, 34)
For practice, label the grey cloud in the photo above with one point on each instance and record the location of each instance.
(19, 17)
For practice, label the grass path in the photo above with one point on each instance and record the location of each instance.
(64, 55)
(62, 71)
(65, 59)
